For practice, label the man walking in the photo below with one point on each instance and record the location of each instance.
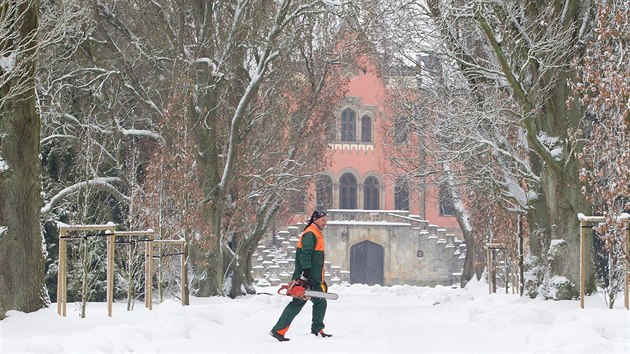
(309, 267)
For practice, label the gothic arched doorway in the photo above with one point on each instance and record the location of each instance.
(366, 263)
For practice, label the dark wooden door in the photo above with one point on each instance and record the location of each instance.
(366, 263)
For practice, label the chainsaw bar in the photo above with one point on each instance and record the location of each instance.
(329, 296)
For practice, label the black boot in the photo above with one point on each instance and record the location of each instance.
(321, 333)
(279, 336)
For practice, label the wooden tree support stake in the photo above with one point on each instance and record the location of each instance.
(109, 231)
(490, 248)
(62, 271)
(149, 270)
(586, 222)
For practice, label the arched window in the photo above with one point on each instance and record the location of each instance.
(348, 191)
(323, 196)
(401, 194)
(370, 193)
(366, 129)
(446, 203)
(348, 125)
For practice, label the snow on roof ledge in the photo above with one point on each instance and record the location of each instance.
(366, 211)
(375, 223)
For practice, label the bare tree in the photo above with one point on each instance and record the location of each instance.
(96, 136)
(21, 253)
(125, 73)
(170, 197)
(289, 152)
(529, 49)
(233, 94)
(603, 86)
(482, 166)
(519, 56)
(465, 138)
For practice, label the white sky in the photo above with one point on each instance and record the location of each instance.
(399, 319)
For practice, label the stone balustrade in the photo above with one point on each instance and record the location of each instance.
(274, 265)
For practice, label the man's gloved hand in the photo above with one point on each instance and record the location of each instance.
(305, 274)
(303, 279)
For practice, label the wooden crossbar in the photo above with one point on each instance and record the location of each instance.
(110, 233)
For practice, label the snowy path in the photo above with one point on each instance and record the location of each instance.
(400, 319)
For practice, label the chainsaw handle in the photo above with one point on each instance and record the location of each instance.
(294, 289)
(285, 288)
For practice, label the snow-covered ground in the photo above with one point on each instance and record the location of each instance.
(365, 319)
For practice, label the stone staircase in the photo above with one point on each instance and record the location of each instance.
(273, 262)
(424, 254)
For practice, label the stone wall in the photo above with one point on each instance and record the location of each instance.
(414, 252)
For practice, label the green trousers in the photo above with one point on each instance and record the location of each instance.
(294, 307)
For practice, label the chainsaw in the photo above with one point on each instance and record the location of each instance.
(297, 288)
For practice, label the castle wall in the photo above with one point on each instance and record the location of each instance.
(414, 252)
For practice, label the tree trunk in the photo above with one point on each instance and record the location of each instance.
(208, 262)
(521, 257)
(552, 219)
(473, 263)
(21, 245)
(208, 259)
(235, 270)
(553, 216)
(554, 228)
(242, 281)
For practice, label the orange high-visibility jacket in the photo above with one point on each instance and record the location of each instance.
(310, 254)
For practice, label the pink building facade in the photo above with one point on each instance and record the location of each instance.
(360, 175)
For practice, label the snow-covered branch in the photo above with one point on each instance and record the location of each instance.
(264, 58)
(104, 183)
(143, 133)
